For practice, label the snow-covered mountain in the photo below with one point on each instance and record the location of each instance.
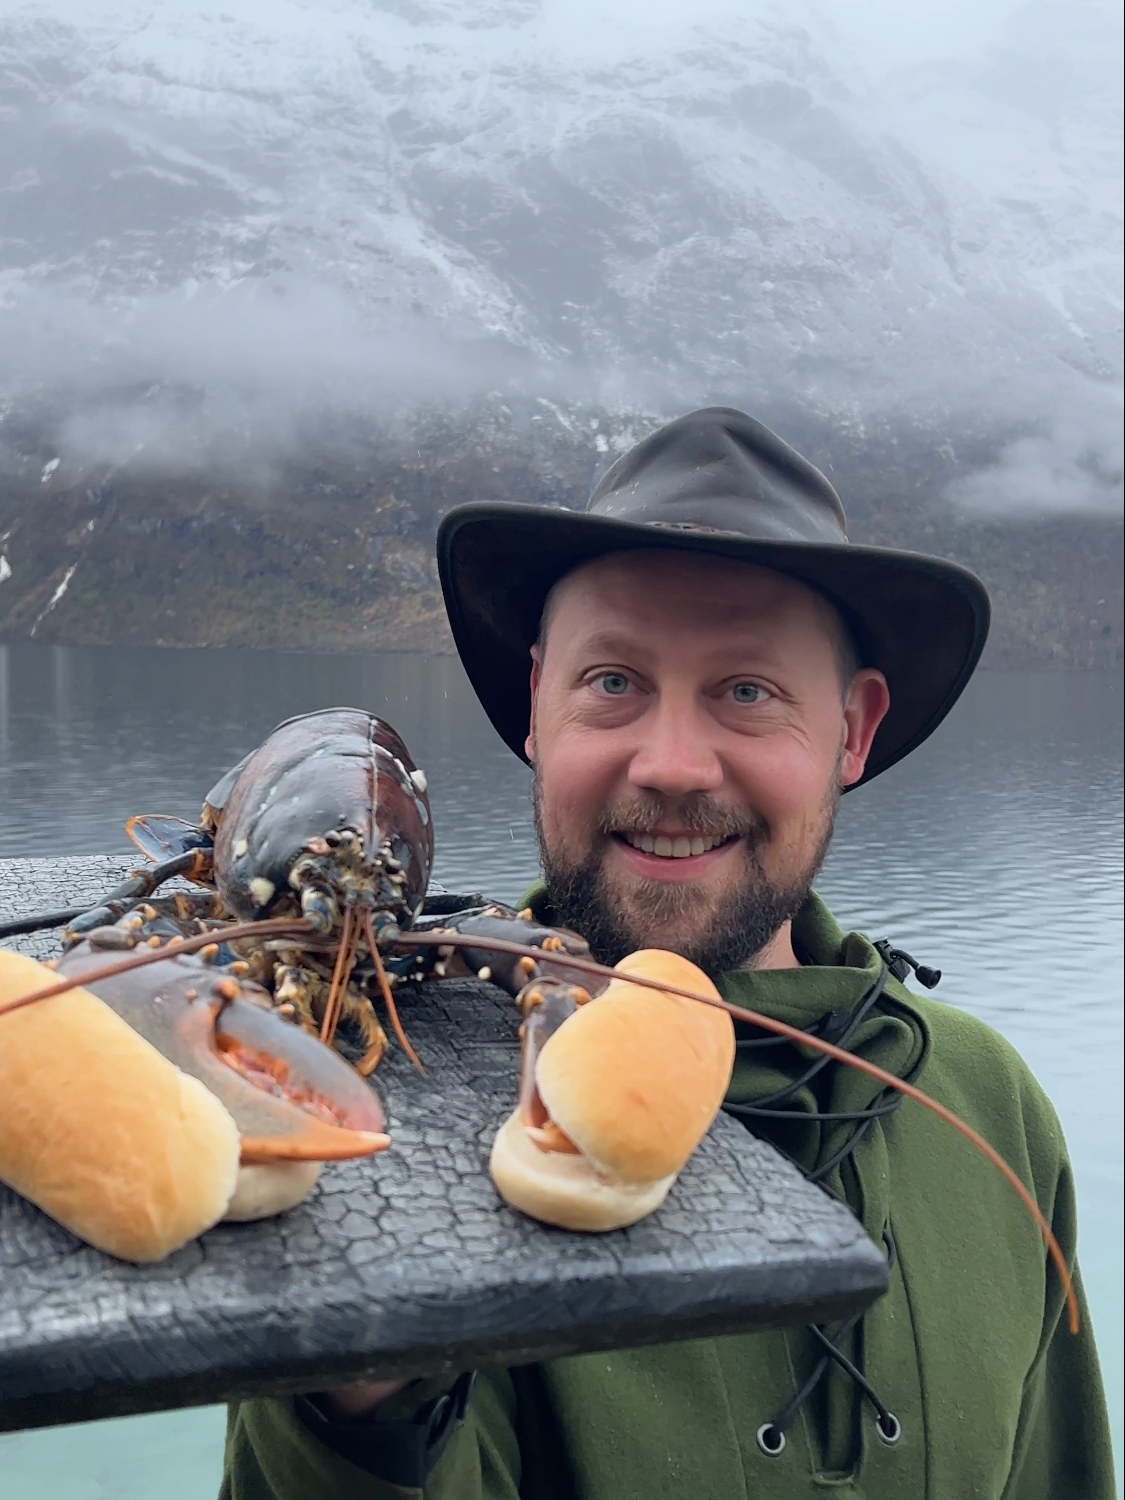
(229, 221)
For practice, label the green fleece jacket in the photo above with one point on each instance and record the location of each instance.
(968, 1348)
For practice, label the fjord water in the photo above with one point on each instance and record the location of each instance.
(993, 853)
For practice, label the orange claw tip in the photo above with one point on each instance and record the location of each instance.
(328, 1144)
(548, 1137)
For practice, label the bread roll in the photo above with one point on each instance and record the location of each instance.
(633, 1081)
(100, 1130)
(267, 1188)
(566, 1190)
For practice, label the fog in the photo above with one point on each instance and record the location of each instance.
(224, 229)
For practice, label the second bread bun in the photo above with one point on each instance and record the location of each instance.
(630, 1084)
(566, 1190)
(636, 1077)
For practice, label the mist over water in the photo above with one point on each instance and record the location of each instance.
(224, 228)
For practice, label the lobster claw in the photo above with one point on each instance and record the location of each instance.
(546, 1002)
(338, 1113)
(292, 1098)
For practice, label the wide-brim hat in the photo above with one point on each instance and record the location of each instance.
(720, 483)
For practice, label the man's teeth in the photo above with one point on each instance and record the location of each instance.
(671, 848)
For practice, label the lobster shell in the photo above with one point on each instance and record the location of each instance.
(269, 808)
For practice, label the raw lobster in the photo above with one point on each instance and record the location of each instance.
(328, 820)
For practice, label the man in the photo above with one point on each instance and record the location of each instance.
(711, 665)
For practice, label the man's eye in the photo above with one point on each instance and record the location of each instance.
(613, 684)
(748, 692)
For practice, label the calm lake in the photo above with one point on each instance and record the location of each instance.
(993, 853)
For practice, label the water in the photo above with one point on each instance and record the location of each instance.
(994, 853)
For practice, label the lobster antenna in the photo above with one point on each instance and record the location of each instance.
(346, 955)
(804, 1039)
(275, 927)
(387, 993)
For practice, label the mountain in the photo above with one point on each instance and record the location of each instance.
(305, 271)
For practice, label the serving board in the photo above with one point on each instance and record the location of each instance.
(408, 1263)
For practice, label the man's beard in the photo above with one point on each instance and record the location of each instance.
(750, 913)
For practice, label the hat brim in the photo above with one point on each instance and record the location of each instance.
(921, 620)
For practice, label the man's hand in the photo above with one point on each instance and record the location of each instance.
(351, 1401)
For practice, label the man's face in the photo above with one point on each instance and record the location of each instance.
(690, 736)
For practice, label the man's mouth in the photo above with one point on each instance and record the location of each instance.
(674, 846)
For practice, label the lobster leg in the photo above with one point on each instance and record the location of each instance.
(82, 919)
(471, 946)
(374, 1038)
(301, 994)
(293, 996)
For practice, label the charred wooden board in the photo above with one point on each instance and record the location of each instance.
(406, 1264)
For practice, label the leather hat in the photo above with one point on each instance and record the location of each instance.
(717, 482)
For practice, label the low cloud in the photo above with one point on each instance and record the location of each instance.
(228, 238)
(185, 379)
(1070, 464)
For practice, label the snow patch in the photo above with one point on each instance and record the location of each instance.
(55, 597)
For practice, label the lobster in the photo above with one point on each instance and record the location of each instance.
(328, 820)
(321, 841)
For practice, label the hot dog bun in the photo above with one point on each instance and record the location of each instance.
(100, 1130)
(566, 1190)
(633, 1080)
(267, 1188)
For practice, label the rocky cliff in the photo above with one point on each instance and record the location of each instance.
(336, 552)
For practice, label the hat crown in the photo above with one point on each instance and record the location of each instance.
(717, 470)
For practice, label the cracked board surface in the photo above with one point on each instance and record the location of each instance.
(406, 1263)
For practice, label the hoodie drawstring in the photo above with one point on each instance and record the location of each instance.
(771, 1436)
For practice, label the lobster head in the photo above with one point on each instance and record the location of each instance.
(329, 812)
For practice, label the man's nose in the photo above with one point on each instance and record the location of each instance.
(675, 754)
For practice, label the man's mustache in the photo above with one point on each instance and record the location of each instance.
(698, 814)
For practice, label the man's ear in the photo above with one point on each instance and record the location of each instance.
(864, 710)
(536, 674)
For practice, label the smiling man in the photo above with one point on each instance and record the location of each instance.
(697, 668)
(693, 722)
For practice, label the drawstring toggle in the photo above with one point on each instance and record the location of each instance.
(900, 963)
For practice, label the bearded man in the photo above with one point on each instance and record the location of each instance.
(696, 669)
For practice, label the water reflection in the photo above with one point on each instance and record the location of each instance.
(994, 853)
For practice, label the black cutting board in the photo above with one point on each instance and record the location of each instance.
(408, 1263)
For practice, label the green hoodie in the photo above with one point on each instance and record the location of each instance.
(969, 1347)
